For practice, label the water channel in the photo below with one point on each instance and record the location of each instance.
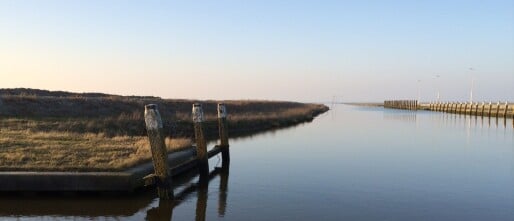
(351, 163)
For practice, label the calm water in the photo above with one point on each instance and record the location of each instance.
(352, 163)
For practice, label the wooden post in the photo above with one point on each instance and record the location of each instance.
(201, 146)
(506, 108)
(161, 178)
(483, 109)
(223, 129)
(490, 108)
(476, 109)
(498, 109)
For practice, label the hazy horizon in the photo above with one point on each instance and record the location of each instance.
(288, 50)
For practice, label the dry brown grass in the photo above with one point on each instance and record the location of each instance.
(57, 151)
(62, 131)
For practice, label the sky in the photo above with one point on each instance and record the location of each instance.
(310, 51)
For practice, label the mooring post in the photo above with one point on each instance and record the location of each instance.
(201, 145)
(498, 109)
(223, 129)
(483, 109)
(506, 108)
(490, 108)
(476, 108)
(161, 178)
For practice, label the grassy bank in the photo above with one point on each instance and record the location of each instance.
(62, 131)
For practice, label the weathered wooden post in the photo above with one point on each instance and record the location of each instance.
(483, 109)
(498, 109)
(161, 178)
(506, 108)
(476, 108)
(223, 129)
(201, 145)
(490, 108)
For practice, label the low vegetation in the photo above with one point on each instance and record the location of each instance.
(62, 131)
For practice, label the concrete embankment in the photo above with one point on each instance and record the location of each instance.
(125, 181)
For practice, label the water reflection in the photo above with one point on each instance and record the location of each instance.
(141, 204)
(165, 209)
(450, 119)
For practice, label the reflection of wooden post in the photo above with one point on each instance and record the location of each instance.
(163, 212)
(201, 146)
(223, 129)
(222, 197)
(161, 177)
(201, 201)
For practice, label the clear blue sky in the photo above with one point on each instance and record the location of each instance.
(280, 50)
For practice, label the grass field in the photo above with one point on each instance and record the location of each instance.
(62, 131)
